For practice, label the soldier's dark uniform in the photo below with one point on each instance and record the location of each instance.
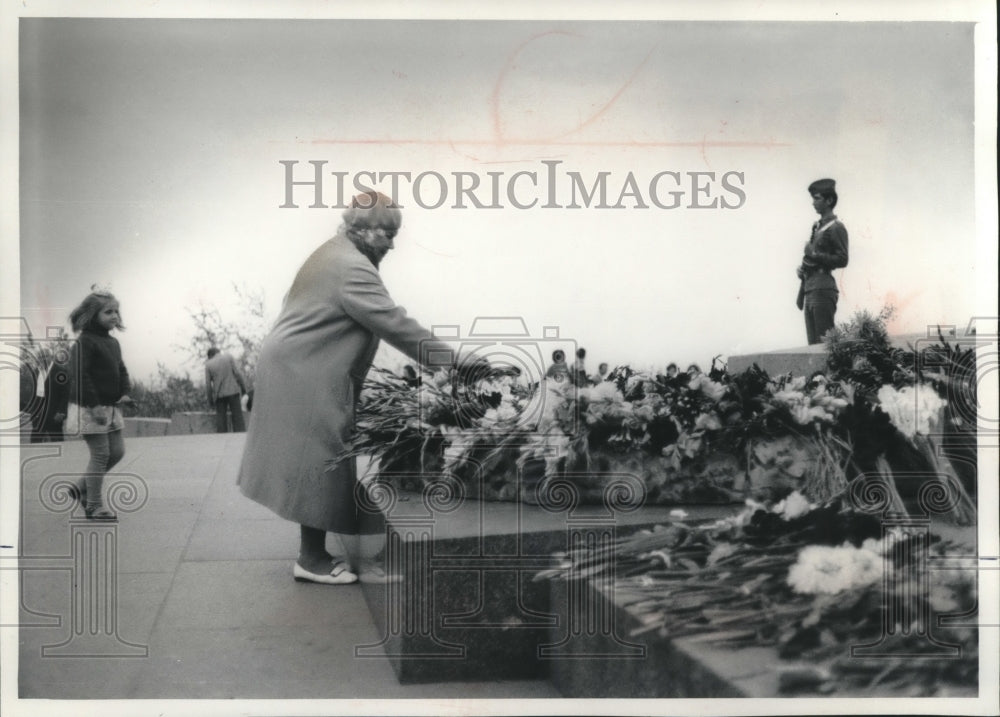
(825, 251)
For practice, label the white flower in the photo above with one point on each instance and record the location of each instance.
(912, 409)
(822, 569)
(805, 408)
(489, 419)
(605, 391)
(794, 505)
(506, 411)
(712, 389)
(645, 413)
(707, 422)
(426, 396)
(633, 381)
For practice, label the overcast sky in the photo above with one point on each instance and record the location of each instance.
(151, 150)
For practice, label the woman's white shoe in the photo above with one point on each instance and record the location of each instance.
(339, 575)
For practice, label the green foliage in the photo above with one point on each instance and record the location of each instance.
(165, 395)
(859, 351)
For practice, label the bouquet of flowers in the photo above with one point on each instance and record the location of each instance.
(702, 437)
(917, 412)
(803, 578)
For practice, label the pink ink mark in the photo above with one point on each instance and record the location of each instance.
(511, 64)
(498, 132)
(895, 324)
(766, 144)
(558, 140)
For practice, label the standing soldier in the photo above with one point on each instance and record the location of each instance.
(825, 251)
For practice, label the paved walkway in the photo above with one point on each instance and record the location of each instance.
(204, 584)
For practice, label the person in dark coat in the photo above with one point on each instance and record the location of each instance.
(55, 389)
(225, 387)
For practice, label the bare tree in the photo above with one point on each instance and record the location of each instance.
(240, 336)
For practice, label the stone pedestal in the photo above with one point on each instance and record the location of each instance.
(807, 360)
(801, 361)
(453, 592)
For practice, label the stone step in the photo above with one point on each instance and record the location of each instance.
(461, 602)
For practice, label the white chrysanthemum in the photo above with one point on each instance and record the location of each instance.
(707, 422)
(713, 389)
(606, 391)
(506, 411)
(792, 506)
(806, 408)
(912, 409)
(822, 569)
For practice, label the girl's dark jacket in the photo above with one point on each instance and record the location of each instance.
(97, 374)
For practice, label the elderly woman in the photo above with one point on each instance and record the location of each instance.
(309, 377)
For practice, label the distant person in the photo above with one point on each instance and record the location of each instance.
(579, 375)
(825, 251)
(225, 387)
(694, 370)
(309, 378)
(672, 371)
(602, 373)
(100, 382)
(52, 394)
(558, 371)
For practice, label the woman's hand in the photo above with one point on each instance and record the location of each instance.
(100, 415)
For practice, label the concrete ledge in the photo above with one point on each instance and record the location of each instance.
(143, 427)
(801, 361)
(188, 422)
(806, 360)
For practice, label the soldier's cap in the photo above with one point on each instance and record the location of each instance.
(823, 186)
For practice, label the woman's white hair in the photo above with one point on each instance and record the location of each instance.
(372, 210)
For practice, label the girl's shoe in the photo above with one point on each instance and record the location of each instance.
(99, 512)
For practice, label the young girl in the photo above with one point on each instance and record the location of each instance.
(99, 383)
